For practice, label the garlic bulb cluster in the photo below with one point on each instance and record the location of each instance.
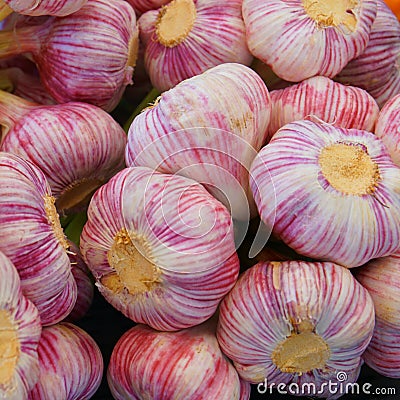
(20, 331)
(327, 191)
(67, 51)
(196, 130)
(182, 365)
(186, 37)
(32, 237)
(78, 146)
(377, 68)
(296, 322)
(321, 98)
(160, 247)
(70, 364)
(381, 277)
(288, 34)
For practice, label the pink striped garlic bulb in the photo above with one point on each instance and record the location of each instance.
(88, 56)
(296, 322)
(186, 37)
(32, 237)
(189, 364)
(299, 39)
(377, 68)
(20, 331)
(321, 98)
(330, 193)
(78, 146)
(381, 277)
(208, 128)
(141, 6)
(160, 247)
(388, 127)
(71, 364)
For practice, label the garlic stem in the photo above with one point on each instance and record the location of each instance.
(25, 39)
(5, 10)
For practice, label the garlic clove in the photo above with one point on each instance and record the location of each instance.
(296, 322)
(71, 364)
(160, 247)
(20, 331)
(32, 237)
(303, 38)
(388, 127)
(326, 191)
(186, 37)
(381, 277)
(187, 364)
(320, 98)
(377, 68)
(197, 130)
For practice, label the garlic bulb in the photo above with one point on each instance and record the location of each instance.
(377, 68)
(146, 364)
(330, 193)
(78, 146)
(20, 331)
(160, 247)
(321, 98)
(208, 128)
(32, 237)
(388, 127)
(381, 277)
(71, 364)
(68, 51)
(299, 39)
(296, 322)
(186, 37)
(141, 6)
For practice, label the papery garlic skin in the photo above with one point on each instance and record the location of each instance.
(141, 6)
(71, 364)
(388, 127)
(160, 247)
(377, 68)
(78, 147)
(330, 193)
(189, 364)
(32, 237)
(186, 37)
(303, 38)
(296, 322)
(381, 277)
(208, 128)
(20, 331)
(320, 98)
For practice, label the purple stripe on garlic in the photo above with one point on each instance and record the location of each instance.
(160, 247)
(141, 6)
(32, 237)
(330, 193)
(304, 38)
(20, 331)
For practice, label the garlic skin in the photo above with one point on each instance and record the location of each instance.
(20, 331)
(381, 277)
(160, 247)
(186, 37)
(330, 193)
(321, 98)
(388, 127)
(67, 51)
(32, 237)
(189, 364)
(71, 364)
(141, 6)
(196, 129)
(299, 39)
(296, 322)
(377, 68)
(77, 146)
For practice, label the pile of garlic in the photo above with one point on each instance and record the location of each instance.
(244, 217)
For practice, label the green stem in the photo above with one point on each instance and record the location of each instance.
(150, 97)
(74, 229)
